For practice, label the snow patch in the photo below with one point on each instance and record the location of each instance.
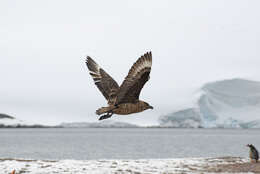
(149, 166)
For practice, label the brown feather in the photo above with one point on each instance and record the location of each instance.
(105, 83)
(130, 108)
(137, 76)
(123, 100)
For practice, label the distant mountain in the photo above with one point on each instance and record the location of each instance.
(10, 121)
(2, 116)
(101, 124)
(231, 103)
(7, 121)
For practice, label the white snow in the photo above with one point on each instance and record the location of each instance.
(10, 121)
(147, 166)
(14, 122)
(231, 103)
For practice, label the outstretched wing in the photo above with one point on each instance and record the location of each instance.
(106, 84)
(137, 76)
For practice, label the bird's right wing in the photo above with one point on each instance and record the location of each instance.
(137, 76)
(106, 84)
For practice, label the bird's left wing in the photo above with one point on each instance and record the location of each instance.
(106, 84)
(137, 76)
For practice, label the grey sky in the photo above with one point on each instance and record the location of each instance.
(43, 47)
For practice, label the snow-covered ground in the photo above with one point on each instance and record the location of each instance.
(7, 120)
(145, 166)
(14, 122)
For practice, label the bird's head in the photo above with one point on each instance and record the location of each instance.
(249, 145)
(147, 106)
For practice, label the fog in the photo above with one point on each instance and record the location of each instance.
(44, 44)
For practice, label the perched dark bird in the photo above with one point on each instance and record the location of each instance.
(122, 100)
(253, 153)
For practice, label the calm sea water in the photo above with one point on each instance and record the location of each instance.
(132, 143)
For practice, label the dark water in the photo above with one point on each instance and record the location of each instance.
(124, 143)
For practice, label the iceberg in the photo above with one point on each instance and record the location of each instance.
(233, 103)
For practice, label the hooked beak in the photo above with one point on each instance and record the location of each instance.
(150, 107)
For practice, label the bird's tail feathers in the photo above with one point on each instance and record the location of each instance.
(104, 110)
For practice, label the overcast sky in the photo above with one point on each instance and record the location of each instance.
(43, 45)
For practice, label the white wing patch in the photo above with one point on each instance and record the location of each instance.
(142, 63)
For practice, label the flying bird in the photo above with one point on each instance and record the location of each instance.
(122, 100)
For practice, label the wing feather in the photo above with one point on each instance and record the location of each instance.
(105, 83)
(137, 76)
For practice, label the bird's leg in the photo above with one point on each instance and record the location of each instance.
(108, 115)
